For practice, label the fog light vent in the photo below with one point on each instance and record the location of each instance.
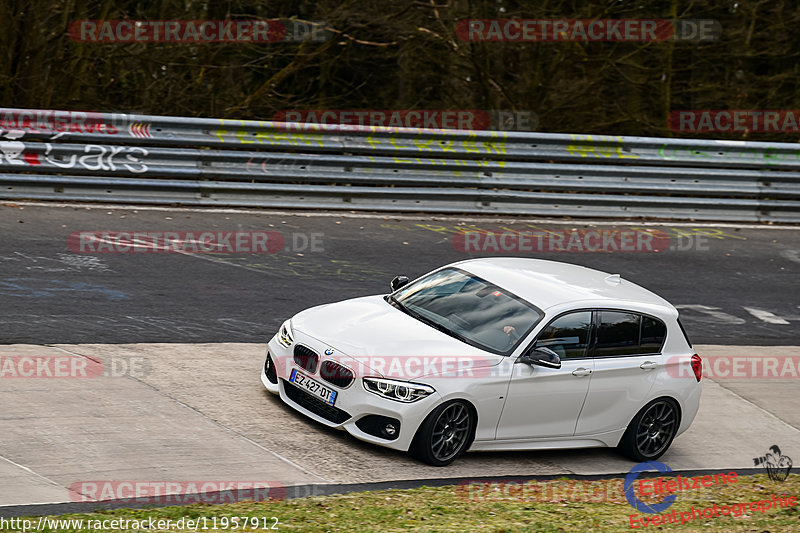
(383, 427)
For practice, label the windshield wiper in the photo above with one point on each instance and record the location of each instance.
(396, 303)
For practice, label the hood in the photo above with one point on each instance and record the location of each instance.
(371, 328)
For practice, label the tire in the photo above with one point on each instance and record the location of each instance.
(651, 431)
(445, 434)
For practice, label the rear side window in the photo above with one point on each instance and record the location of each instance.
(621, 333)
(653, 333)
(618, 333)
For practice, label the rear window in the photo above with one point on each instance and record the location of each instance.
(623, 333)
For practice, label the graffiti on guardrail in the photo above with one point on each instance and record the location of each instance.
(602, 147)
(267, 136)
(15, 124)
(470, 146)
(98, 157)
(58, 122)
(92, 157)
(280, 134)
(728, 151)
(599, 146)
(269, 164)
(14, 154)
(449, 163)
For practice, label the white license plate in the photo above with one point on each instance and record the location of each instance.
(326, 394)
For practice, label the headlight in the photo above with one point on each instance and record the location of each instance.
(285, 335)
(401, 391)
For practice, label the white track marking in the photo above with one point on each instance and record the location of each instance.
(394, 216)
(769, 318)
(713, 314)
(791, 255)
(28, 470)
(212, 421)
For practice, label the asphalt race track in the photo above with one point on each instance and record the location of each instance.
(189, 331)
(53, 295)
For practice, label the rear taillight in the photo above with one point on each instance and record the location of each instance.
(697, 367)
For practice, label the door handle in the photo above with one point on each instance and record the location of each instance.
(580, 372)
(648, 365)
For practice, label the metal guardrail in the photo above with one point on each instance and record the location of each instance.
(53, 155)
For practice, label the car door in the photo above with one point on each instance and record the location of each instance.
(627, 361)
(546, 402)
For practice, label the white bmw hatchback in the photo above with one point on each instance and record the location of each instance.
(494, 354)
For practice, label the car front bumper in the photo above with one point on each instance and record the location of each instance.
(354, 405)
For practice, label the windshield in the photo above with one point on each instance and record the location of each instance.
(470, 309)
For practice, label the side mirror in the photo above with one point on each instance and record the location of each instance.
(398, 282)
(541, 356)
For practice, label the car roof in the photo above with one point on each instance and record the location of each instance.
(551, 283)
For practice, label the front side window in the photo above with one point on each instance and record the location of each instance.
(567, 335)
(621, 333)
(469, 308)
